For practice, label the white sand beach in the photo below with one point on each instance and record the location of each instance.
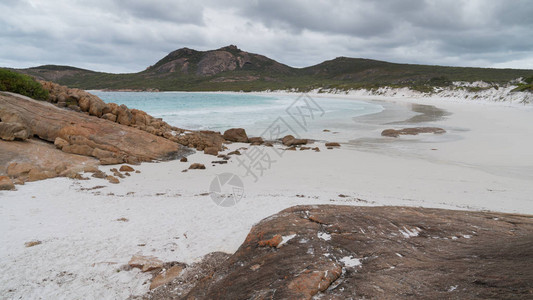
(484, 161)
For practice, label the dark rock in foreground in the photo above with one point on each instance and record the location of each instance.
(341, 252)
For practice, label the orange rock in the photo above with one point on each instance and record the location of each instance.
(197, 166)
(6, 184)
(273, 242)
(211, 151)
(333, 144)
(126, 168)
(310, 283)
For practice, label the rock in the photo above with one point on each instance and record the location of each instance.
(112, 179)
(99, 174)
(412, 131)
(304, 148)
(197, 166)
(316, 149)
(32, 243)
(211, 151)
(184, 159)
(236, 152)
(287, 140)
(6, 184)
(293, 148)
(84, 133)
(13, 131)
(166, 277)
(256, 140)
(273, 242)
(36, 174)
(109, 116)
(124, 116)
(268, 144)
(333, 144)
(60, 143)
(343, 252)
(145, 263)
(126, 168)
(236, 135)
(19, 169)
(221, 162)
(290, 140)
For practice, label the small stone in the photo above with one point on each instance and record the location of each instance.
(126, 168)
(333, 144)
(197, 166)
(32, 243)
(184, 159)
(6, 184)
(112, 179)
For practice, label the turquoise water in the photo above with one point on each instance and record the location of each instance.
(255, 113)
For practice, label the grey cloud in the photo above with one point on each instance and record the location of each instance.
(121, 35)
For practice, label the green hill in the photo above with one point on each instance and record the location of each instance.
(231, 69)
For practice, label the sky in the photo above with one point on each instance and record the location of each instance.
(122, 36)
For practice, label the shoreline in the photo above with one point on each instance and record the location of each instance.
(486, 166)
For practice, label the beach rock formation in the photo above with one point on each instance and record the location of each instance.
(341, 252)
(35, 159)
(236, 135)
(86, 135)
(82, 101)
(412, 131)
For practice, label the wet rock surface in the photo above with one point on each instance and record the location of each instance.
(340, 252)
(412, 131)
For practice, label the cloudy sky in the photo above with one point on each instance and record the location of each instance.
(129, 35)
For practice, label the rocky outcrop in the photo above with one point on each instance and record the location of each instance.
(82, 101)
(236, 135)
(412, 131)
(343, 252)
(34, 159)
(86, 135)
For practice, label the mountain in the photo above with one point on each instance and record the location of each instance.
(230, 68)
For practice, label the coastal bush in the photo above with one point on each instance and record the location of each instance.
(21, 84)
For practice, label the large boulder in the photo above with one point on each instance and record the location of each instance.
(13, 131)
(236, 135)
(88, 135)
(346, 252)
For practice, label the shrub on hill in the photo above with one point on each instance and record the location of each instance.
(21, 84)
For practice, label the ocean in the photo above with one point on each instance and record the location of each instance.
(301, 115)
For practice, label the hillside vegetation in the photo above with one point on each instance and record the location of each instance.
(22, 84)
(232, 69)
